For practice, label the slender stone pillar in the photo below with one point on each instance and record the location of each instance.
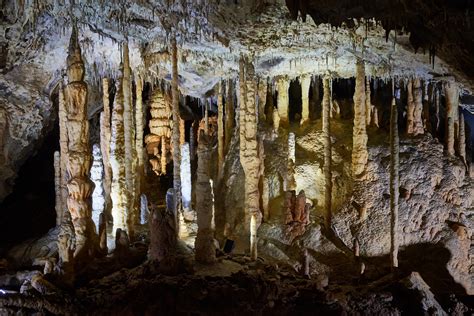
(368, 102)
(229, 114)
(359, 135)
(327, 170)
(410, 108)
(394, 184)
(63, 151)
(220, 132)
(462, 138)
(418, 127)
(262, 98)
(105, 132)
(175, 135)
(139, 121)
(57, 187)
(305, 82)
(283, 84)
(451, 91)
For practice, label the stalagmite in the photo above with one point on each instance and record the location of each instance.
(66, 244)
(249, 156)
(305, 82)
(118, 191)
(175, 130)
(451, 91)
(163, 235)
(368, 103)
(462, 138)
(394, 185)
(220, 131)
(327, 153)
(105, 132)
(204, 245)
(80, 187)
(359, 137)
(283, 84)
(418, 127)
(129, 132)
(62, 116)
(229, 114)
(437, 103)
(96, 177)
(410, 108)
(375, 117)
(139, 132)
(57, 187)
(262, 98)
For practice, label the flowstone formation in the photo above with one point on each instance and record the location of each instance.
(317, 153)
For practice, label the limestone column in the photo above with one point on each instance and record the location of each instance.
(139, 132)
(229, 114)
(118, 191)
(204, 245)
(220, 131)
(63, 151)
(410, 108)
(326, 108)
(80, 187)
(283, 84)
(359, 135)
(451, 91)
(175, 129)
(249, 156)
(66, 246)
(394, 184)
(418, 127)
(368, 102)
(305, 82)
(105, 132)
(129, 132)
(186, 184)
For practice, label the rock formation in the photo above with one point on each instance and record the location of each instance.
(368, 103)
(249, 156)
(63, 149)
(418, 126)
(327, 153)
(105, 138)
(229, 114)
(394, 183)
(175, 136)
(57, 187)
(97, 174)
(204, 246)
(262, 98)
(220, 131)
(452, 100)
(359, 144)
(305, 82)
(139, 120)
(283, 84)
(80, 187)
(462, 138)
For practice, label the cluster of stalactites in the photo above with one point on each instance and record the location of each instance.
(158, 141)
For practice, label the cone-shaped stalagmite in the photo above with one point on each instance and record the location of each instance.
(105, 145)
(283, 84)
(80, 187)
(175, 130)
(394, 189)
(326, 105)
(418, 127)
(305, 82)
(451, 91)
(359, 137)
(204, 246)
(117, 162)
(249, 156)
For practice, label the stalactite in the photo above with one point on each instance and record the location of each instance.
(368, 103)
(305, 82)
(359, 137)
(57, 187)
(462, 138)
(283, 84)
(394, 184)
(129, 132)
(452, 101)
(80, 187)
(249, 156)
(418, 107)
(229, 114)
(204, 245)
(63, 151)
(262, 98)
(426, 107)
(139, 133)
(175, 130)
(410, 108)
(105, 132)
(327, 170)
(118, 191)
(220, 131)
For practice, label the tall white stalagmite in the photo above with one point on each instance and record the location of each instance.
(359, 134)
(62, 116)
(175, 129)
(394, 184)
(117, 162)
(418, 126)
(305, 82)
(249, 156)
(79, 186)
(283, 84)
(105, 132)
(220, 131)
(129, 132)
(451, 91)
(204, 244)
(326, 108)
